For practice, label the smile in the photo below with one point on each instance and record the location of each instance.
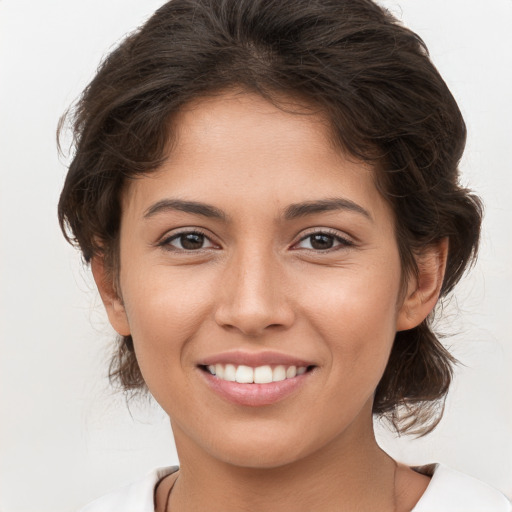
(256, 378)
(259, 375)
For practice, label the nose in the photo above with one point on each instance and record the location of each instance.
(254, 296)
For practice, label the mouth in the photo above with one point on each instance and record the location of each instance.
(255, 379)
(264, 374)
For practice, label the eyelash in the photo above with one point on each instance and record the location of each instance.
(343, 242)
(166, 242)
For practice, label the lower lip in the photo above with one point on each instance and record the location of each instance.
(254, 395)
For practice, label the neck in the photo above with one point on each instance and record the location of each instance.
(351, 473)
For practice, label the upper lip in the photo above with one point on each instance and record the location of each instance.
(255, 359)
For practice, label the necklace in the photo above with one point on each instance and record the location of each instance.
(394, 485)
(168, 499)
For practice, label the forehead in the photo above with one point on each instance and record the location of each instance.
(240, 150)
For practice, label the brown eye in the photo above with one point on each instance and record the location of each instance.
(188, 241)
(323, 242)
(192, 241)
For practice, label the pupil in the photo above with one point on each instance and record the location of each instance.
(192, 241)
(321, 241)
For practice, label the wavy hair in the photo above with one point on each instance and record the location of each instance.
(371, 77)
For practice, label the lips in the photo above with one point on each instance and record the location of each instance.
(255, 379)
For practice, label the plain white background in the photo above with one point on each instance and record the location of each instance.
(65, 437)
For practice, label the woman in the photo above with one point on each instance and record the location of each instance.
(267, 193)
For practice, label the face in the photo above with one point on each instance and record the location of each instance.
(259, 253)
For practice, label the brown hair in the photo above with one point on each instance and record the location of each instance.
(369, 75)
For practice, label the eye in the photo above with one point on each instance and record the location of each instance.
(323, 241)
(187, 241)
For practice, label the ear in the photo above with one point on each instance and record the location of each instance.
(423, 290)
(110, 297)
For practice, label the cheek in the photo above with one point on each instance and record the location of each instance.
(355, 309)
(164, 310)
(353, 298)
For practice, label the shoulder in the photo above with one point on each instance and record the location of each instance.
(452, 491)
(135, 497)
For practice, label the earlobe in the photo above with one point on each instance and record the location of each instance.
(110, 297)
(424, 289)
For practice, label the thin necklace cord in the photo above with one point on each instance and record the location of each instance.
(166, 508)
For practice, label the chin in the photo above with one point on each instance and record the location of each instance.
(251, 459)
(262, 449)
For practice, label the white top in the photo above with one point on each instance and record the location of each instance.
(448, 491)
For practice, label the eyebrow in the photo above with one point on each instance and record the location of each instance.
(293, 211)
(297, 210)
(203, 209)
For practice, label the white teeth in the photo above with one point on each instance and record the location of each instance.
(259, 375)
(262, 375)
(291, 371)
(279, 373)
(230, 372)
(219, 371)
(244, 374)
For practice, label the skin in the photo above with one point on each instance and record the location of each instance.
(259, 283)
